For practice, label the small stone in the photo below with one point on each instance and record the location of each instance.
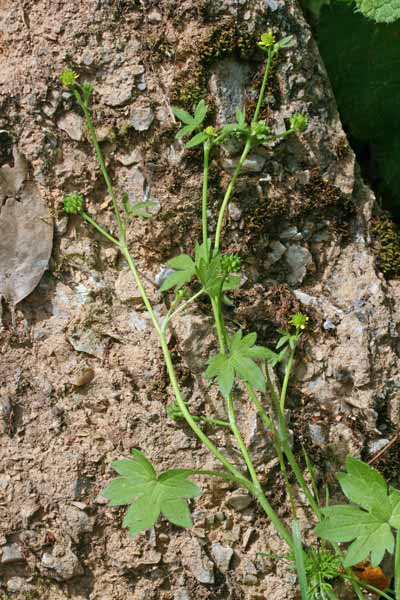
(11, 554)
(298, 259)
(141, 118)
(77, 522)
(162, 275)
(182, 595)
(83, 376)
(199, 565)
(87, 341)
(234, 211)
(118, 91)
(289, 233)
(240, 501)
(317, 434)
(277, 250)
(130, 158)
(154, 16)
(126, 289)
(253, 164)
(328, 325)
(72, 124)
(222, 556)
(19, 584)
(61, 568)
(377, 445)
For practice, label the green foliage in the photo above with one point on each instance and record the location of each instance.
(73, 203)
(322, 567)
(139, 209)
(363, 66)
(299, 560)
(150, 495)
(239, 361)
(191, 123)
(370, 523)
(381, 11)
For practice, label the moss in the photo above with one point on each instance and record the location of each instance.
(224, 40)
(387, 245)
(318, 197)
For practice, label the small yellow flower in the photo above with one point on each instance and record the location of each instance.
(210, 131)
(267, 40)
(299, 321)
(68, 77)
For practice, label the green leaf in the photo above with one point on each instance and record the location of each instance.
(187, 130)
(381, 11)
(364, 486)
(184, 271)
(183, 115)
(199, 138)
(240, 361)
(200, 112)
(149, 494)
(369, 530)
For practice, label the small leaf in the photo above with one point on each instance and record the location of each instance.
(183, 115)
(200, 112)
(187, 130)
(184, 271)
(199, 138)
(150, 495)
(139, 209)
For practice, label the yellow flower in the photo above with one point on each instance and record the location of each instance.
(267, 40)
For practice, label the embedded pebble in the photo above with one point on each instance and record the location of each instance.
(222, 556)
(298, 259)
(253, 164)
(61, 568)
(317, 434)
(240, 501)
(141, 118)
(376, 445)
(197, 562)
(72, 124)
(11, 554)
(19, 584)
(83, 377)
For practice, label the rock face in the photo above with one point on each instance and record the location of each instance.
(300, 219)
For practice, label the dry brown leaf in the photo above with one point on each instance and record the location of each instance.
(26, 238)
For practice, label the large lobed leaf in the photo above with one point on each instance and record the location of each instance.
(369, 528)
(150, 495)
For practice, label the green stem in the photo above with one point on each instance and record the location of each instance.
(211, 421)
(285, 384)
(204, 219)
(397, 567)
(100, 229)
(103, 169)
(228, 193)
(263, 86)
(218, 324)
(182, 307)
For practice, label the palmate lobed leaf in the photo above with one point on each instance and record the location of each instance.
(369, 528)
(240, 361)
(150, 495)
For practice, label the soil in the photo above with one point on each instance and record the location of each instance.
(81, 372)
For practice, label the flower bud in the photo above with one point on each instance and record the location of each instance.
(73, 203)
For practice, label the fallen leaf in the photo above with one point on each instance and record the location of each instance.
(370, 575)
(26, 239)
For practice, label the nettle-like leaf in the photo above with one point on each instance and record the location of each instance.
(150, 494)
(381, 11)
(191, 123)
(369, 525)
(184, 271)
(239, 361)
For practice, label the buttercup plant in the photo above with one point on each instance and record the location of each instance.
(239, 360)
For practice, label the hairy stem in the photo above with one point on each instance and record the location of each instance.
(100, 229)
(204, 219)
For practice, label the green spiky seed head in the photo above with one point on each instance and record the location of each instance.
(267, 40)
(231, 263)
(210, 131)
(299, 122)
(299, 321)
(73, 203)
(68, 78)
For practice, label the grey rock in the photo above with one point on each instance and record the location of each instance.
(61, 568)
(298, 259)
(277, 250)
(240, 501)
(72, 124)
(87, 341)
(328, 325)
(317, 434)
(19, 584)
(197, 562)
(253, 164)
(376, 445)
(133, 157)
(162, 276)
(77, 522)
(222, 556)
(126, 289)
(182, 595)
(227, 83)
(118, 90)
(141, 118)
(234, 211)
(11, 554)
(289, 233)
